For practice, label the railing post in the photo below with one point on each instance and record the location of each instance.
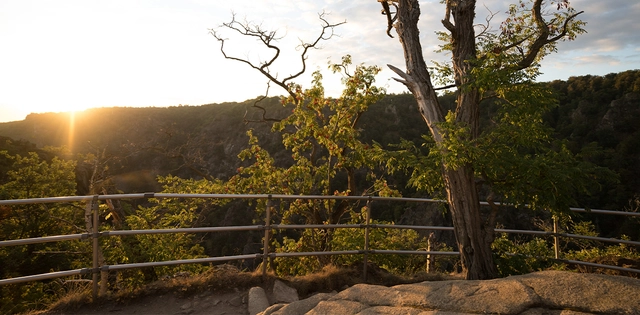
(267, 230)
(556, 243)
(431, 259)
(94, 236)
(367, 221)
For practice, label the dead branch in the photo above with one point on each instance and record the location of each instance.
(486, 28)
(268, 39)
(391, 17)
(264, 110)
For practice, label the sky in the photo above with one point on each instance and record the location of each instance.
(67, 55)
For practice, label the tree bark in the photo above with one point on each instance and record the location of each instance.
(473, 237)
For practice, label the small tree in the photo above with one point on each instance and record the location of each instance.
(326, 156)
(32, 177)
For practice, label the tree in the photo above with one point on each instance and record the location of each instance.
(485, 65)
(482, 62)
(31, 176)
(320, 133)
(322, 137)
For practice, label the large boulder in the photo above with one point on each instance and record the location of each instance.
(546, 292)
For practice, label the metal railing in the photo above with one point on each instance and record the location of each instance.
(95, 234)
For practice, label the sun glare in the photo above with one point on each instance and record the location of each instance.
(72, 130)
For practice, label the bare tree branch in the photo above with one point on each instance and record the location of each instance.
(264, 110)
(268, 38)
(445, 87)
(486, 28)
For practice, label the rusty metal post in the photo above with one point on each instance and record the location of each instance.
(267, 232)
(556, 243)
(367, 221)
(94, 237)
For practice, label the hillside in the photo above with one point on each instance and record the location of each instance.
(598, 117)
(187, 141)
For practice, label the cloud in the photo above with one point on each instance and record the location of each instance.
(597, 59)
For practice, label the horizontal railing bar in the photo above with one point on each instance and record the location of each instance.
(412, 252)
(89, 198)
(315, 226)
(185, 230)
(267, 196)
(602, 239)
(413, 227)
(612, 212)
(260, 196)
(578, 262)
(44, 276)
(69, 199)
(179, 262)
(598, 211)
(297, 254)
(45, 239)
(205, 196)
(523, 232)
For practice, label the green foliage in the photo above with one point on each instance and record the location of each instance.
(381, 239)
(514, 157)
(354, 239)
(590, 250)
(327, 157)
(167, 214)
(515, 257)
(31, 177)
(423, 167)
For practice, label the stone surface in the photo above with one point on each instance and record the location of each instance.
(298, 307)
(540, 293)
(283, 293)
(258, 301)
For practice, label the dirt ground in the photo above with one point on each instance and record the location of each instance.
(208, 302)
(223, 290)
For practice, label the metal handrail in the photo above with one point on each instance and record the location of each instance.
(184, 230)
(267, 227)
(45, 276)
(45, 239)
(179, 262)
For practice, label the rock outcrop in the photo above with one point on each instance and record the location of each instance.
(546, 292)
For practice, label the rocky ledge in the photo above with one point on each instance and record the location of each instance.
(546, 292)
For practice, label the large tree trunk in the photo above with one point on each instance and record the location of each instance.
(473, 237)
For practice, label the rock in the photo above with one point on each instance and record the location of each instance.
(273, 309)
(258, 301)
(236, 301)
(299, 307)
(541, 311)
(593, 293)
(283, 293)
(185, 306)
(337, 307)
(540, 293)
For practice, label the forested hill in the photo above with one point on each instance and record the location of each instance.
(598, 116)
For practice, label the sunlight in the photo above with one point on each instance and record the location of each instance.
(72, 127)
